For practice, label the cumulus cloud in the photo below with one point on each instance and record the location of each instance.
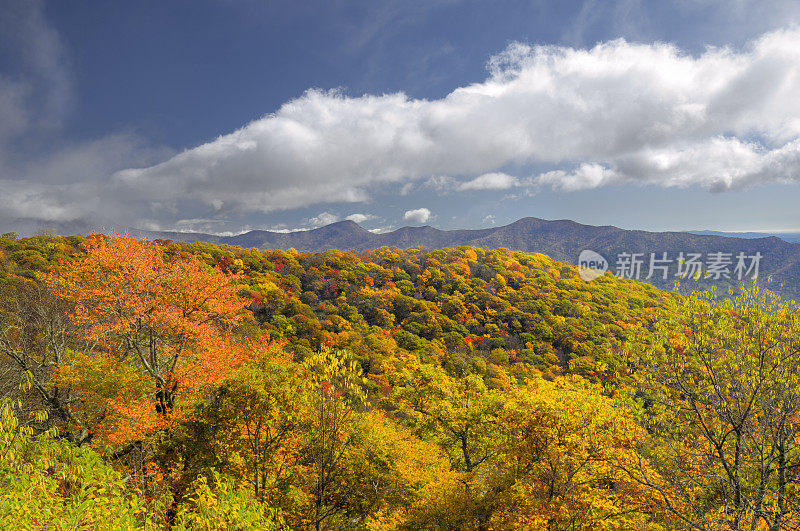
(584, 176)
(490, 181)
(718, 163)
(419, 215)
(618, 112)
(615, 113)
(324, 218)
(360, 218)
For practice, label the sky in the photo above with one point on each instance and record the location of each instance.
(223, 116)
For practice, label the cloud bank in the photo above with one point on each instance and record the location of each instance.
(616, 113)
(45, 178)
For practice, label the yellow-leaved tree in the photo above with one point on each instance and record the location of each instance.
(719, 391)
(557, 463)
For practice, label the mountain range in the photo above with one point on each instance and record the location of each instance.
(791, 237)
(562, 240)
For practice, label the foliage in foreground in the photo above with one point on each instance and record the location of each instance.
(51, 484)
(198, 387)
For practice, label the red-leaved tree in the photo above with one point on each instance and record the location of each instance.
(161, 328)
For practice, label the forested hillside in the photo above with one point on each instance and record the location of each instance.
(194, 386)
(561, 240)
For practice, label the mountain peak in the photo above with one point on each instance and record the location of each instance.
(346, 226)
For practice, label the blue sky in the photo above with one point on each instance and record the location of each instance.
(225, 115)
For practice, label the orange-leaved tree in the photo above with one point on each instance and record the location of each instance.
(162, 330)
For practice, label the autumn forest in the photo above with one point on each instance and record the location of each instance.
(167, 385)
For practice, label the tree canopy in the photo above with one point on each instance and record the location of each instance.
(193, 386)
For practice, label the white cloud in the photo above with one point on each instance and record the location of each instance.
(615, 113)
(360, 218)
(287, 231)
(585, 176)
(381, 230)
(325, 218)
(608, 110)
(419, 215)
(490, 181)
(718, 163)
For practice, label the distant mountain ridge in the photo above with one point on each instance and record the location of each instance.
(562, 240)
(791, 237)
